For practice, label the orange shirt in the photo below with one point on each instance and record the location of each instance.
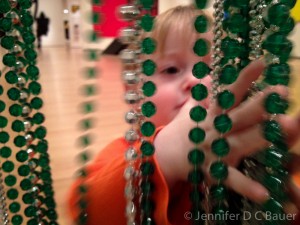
(106, 201)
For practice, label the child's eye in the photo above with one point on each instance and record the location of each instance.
(171, 70)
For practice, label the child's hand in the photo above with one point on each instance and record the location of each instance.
(245, 138)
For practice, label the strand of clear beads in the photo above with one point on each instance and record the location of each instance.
(3, 206)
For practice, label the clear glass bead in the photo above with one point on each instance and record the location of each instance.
(129, 173)
(131, 154)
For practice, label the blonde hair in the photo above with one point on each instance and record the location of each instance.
(178, 20)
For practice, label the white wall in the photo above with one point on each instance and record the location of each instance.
(53, 9)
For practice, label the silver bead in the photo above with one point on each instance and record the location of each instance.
(128, 56)
(21, 82)
(130, 209)
(23, 95)
(129, 191)
(130, 77)
(31, 154)
(131, 135)
(13, 3)
(131, 154)
(29, 138)
(132, 97)
(128, 35)
(26, 110)
(129, 12)
(131, 117)
(27, 125)
(17, 48)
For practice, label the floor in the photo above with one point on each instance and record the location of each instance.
(61, 77)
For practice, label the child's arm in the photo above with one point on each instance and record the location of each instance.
(172, 143)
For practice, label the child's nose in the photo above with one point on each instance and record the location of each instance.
(190, 82)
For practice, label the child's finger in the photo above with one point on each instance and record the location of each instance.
(240, 88)
(245, 186)
(253, 111)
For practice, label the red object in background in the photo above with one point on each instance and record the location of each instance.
(110, 23)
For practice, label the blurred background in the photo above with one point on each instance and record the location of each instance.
(61, 60)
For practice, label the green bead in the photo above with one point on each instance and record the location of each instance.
(147, 22)
(201, 24)
(28, 198)
(219, 213)
(198, 113)
(42, 146)
(149, 67)
(91, 73)
(20, 141)
(28, 37)
(26, 19)
(197, 135)
(4, 6)
(46, 176)
(219, 170)
(34, 88)
(1, 88)
(147, 187)
(274, 184)
(90, 90)
(25, 4)
(95, 17)
(278, 44)
(88, 107)
(44, 162)
(148, 109)
(38, 118)
(10, 180)
(201, 4)
(200, 70)
(92, 55)
(33, 72)
(196, 196)
(24, 170)
(223, 123)
(83, 157)
(41, 132)
(32, 221)
(9, 59)
(50, 203)
(147, 168)
(82, 189)
(228, 74)
(196, 157)
(85, 140)
(148, 46)
(275, 158)
(195, 177)
(86, 124)
(225, 99)
(15, 110)
(199, 92)
(5, 152)
(22, 156)
(82, 204)
(17, 220)
(220, 147)
(93, 36)
(147, 148)
(11, 77)
(147, 129)
(36, 103)
(147, 206)
(14, 207)
(3, 122)
(2, 106)
(8, 166)
(277, 74)
(4, 137)
(218, 192)
(287, 27)
(149, 88)
(82, 218)
(51, 214)
(96, 2)
(30, 211)
(25, 184)
(278, 14)
(12, 194)
(13, 94)
(271, 205)
(17, 126)
(231, 48)
(201, 47)
(272, 131)
(30, 54)
(147, 4)
(237, 23)
(7, 42)
(6, 24)
(274, 104)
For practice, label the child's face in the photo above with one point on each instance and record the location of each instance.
(174, 78)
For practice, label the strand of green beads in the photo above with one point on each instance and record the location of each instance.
(13, 60)
(3, 201)
(276, 73)
(131, 78)
(148, 110)
(86, 124)
(198, 114)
